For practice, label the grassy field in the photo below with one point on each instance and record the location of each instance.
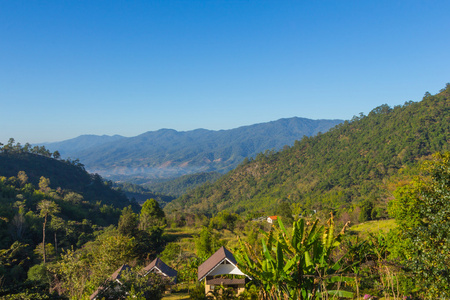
(179, 292)
(373, 227)
(183, 236)
(176, 296)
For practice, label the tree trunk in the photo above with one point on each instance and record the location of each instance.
(43, 237)
(56, 245)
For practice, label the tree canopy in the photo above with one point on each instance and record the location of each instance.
(422, 211)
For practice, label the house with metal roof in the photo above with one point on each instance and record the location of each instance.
(114, 278)
(222, 263)
(157, 266)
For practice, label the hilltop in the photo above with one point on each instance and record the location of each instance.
(62, 174)
(343, 170)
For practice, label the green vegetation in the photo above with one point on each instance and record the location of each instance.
(64, 232)
(373, 227)
(68, 175)
(299, 265)
(180, 185)
(61, 242)
(310, 261)
(345, 171)
(422, 211)
(140, 194)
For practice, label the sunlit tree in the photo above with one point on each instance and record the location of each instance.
(46, 208)
(422, 211)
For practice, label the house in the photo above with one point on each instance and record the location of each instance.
(271, 219)
(222, 263)
(115, 277)
(157, 266)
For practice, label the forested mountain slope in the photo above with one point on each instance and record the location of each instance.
(62, 174)
(61, 234)
(168, 153)
(339, 170)
(178, 186)
(140, 194)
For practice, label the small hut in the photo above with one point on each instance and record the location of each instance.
(222, 263)
(272, 219)
(115, 278)
(157, 266)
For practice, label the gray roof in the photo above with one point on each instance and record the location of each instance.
(162, 267)
(115, 276)
(118, 273)
(215, 260)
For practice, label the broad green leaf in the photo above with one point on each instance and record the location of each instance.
(308, 261)
(343, 294)
(338, 278)
(280, 260)
(266, 252)
(281, 226)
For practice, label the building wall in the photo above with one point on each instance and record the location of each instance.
(210, 288)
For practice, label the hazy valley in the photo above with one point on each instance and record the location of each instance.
(168, 153)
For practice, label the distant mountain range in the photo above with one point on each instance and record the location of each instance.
(169, 153)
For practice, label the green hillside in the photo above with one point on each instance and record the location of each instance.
(62, 230)
(63, 174)
(140, 194)
(180, 185)
(341, 170)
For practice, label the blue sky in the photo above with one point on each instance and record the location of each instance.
(126, 67)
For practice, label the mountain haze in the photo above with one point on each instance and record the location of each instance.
(70, 147)
(169, 153)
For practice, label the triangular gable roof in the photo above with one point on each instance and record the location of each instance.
(161, 267)
(114, 277)
(214, 261)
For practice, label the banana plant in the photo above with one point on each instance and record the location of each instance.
(297, 265)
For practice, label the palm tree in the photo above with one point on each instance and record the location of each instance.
(46, 208)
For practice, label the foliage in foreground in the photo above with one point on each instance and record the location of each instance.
(134, 286)
(422, 210)
(299, 265)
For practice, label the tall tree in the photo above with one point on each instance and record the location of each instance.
(422, 211)
(22, 176)
(128, 222)
(44, 184)
(46, 208)
(151, 215)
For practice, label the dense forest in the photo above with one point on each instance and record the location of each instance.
(62, 174)
(346, 170)
(62, 240)
(140, 194)
(179, 186)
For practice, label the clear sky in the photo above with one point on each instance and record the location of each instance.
(126, 67)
